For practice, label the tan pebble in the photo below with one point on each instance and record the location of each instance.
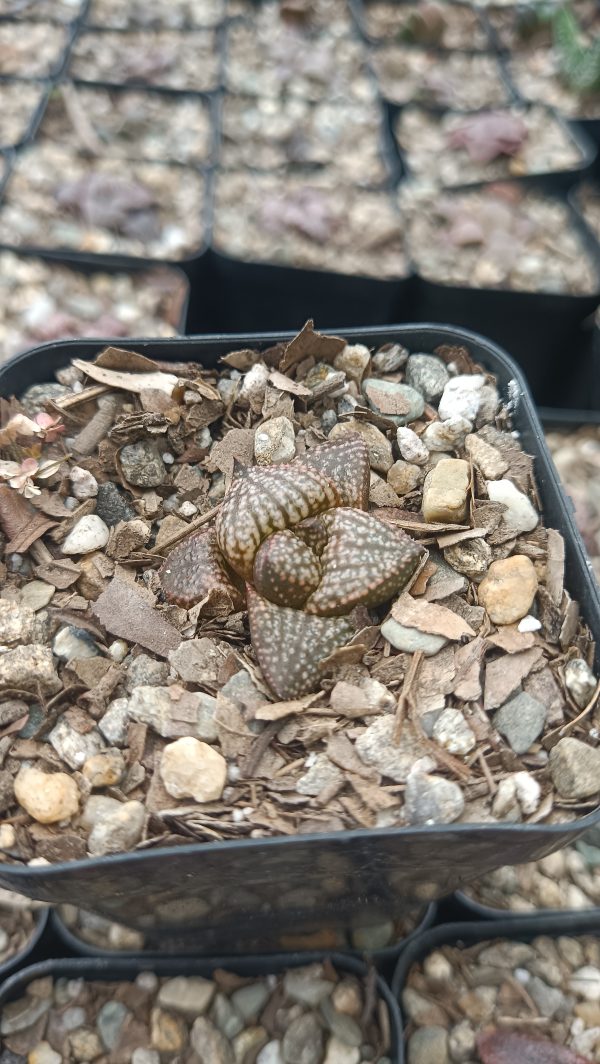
(589, 1012)
(508, 590)
(190, 768)
(403, 477)
(47, 797)
(347, 998)
(487, 458)
(445, 491)
(105, 769)
(168, 1032)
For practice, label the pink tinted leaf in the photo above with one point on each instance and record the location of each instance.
(514, 1047)
(488, 135)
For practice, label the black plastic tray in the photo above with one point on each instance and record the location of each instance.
(329, 879)
(468, 934)
(36, 114)
(26, 955)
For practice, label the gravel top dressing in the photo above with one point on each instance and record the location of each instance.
(458, 80)
(536, 75)
(18, 917)
(447, 26)
(155, 14)
(32, 49)
(567, 879)
(410, 655)
(161, 58)
(18, 104)
(308, 1015)
(506, 1002)
(500, 236)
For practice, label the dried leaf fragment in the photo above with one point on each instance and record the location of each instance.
(128, 382)
(126, 613)
(429, 617)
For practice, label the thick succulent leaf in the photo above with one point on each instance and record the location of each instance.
(290, 644)
(516, 1047)
(285, 570)
(345, 462)
(195, 568)
(266, 499)
(364, 563)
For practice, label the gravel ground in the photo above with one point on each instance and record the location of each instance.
(18, 103)
(577, 458)
(160, 58)
(536, 76)
(154, 14)
(31, 49)
(445, 26)
(458, 80)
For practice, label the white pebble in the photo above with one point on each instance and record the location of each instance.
(461, 397)
(520, 513)
(88, 534)
(83, 483)
(529, 624)
(411, 446)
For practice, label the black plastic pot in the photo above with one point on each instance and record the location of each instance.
(469, 934)
(384, 959)
(36, 114)
(283, 885)
(27, 954)
(111, 969)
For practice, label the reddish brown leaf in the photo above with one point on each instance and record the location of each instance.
(285, 570)
(194, 569)
(125, 612)
(513, 1047)
(346, 462)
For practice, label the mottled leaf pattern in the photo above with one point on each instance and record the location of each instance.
(290, 644)
(364, 563)
(285, 570)
(346, 463)
(195, 568)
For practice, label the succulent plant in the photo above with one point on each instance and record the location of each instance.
(579, 62)
(297, 542)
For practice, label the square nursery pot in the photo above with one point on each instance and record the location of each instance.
(285, 884)
(465, 934)
(110, 970)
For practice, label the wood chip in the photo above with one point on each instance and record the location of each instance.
(124, 611)
(505, 675)
(429, 617)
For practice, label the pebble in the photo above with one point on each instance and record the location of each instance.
(275, 441)
(83, 483)
(208, 1042)
(71, 643)
(168, 1033)
(446, 435)
(110, 1021)
(303, 1041)
(118, 828)
(196, 661)
(118, 650)
(445, 491)
(253, 386)
(376, 747)
(192, 769)
(47, 797)
(142, 464)
(379, 447)
(34, 398)
(249, 1000)
(473, 557)
(398, 402)
(189, 994)
(428, 1045)
(17, 623)
(529, 624)
(453, 733)
(410, 640)
(586, 982)
(575, 768)
(411, 446)
(115, 722)
(37, 594)
(461, 1042)
(353, 361)
(519, 792)
(174, 712)
(580, 681)
(520, 513)
(104, 770)
(390, 359)
(88, 534)
(43, 1053)
(461, 397)
(367, 939)
(72, 746)
(307, 985)
(428, 374)
(112, 506)
(30, 668)
(509, 588)
(403, 477)
(339, 1052)
(321, 774)
(431, 800)
(487, 458)
(340, 1024)
(521, 721)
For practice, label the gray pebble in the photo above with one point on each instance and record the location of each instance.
(112, 506)
(341, 1025)
(428, 1045)
(432, 800)
(72, 643)
(406, 396)
(142, 464)
(410, 640)
(428, 374)
(521, 721)
(303, 1041)
(110, 1021)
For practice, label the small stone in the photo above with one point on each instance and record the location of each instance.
(115, 722)
(321, 774)
(446, 435)
(118, 831)
(271, 1053)
(210, 1045)
(29, 668)
(17, 624)
(225, 1017)
(37, 594)
(340, 1053)
(174, 712)
(197, 661)
(47, 797)
(341, 1025)
(376, 747)
(428, 374)
(192, 769)
(461, 397)
(72, 643)
(461, 1042)
(189, 994)
(403, 477)
(517, 794)
(142, 464)
(580, 681)
(167, 1032)
(347, 997)
(275, 441)
(432, 800)
(586, 983)
(509, 588)
(529, 624)
(85, 1045)
(372, 937)
(112, 506)
(422, 1010)
(445, 491)
(248, 1042)
(548, 999)
(409, 640)
(411, 446)
(428, 1045)
(146, 671)
(520, 513)
(437, 968)
(379, 447)
(253, 386)
(43, 1053)
(129, 536)
(575, 768)
(88, 534)
(303, 1041)
(110, 1022)
(104, 770)
(473, 557)
(83, 483)
(250, 1000)
(72, 746)
(118, 650)
(487, 458)
(145, 1056)
(353, 361)
(390, 358)
(521, 721)
(398, 402)
(453, 733)
(307, 985)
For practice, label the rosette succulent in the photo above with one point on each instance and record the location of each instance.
(297, 543)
